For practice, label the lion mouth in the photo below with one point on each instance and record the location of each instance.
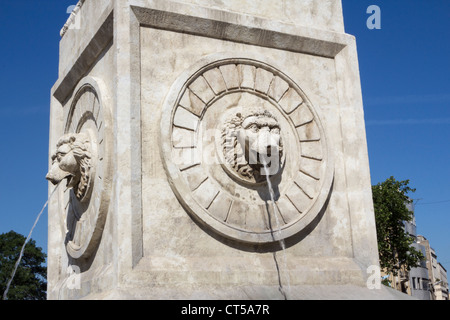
(71, 181)
(265, 157)
(268, 163)
(56, 175)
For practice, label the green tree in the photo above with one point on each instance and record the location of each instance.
(394, 243)
(29, 282)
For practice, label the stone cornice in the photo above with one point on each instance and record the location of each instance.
(72, 17)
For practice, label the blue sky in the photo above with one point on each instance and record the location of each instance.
(404, 68)
(405, 75)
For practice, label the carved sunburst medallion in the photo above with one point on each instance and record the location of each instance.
(223, 190)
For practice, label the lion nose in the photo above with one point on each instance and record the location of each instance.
(268, 144)
(56, 175)
(52, 179)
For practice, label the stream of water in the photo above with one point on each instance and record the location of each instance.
(5, 294)
(278, 231)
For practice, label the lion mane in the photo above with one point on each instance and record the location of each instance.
(80, 146)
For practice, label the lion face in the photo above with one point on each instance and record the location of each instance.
(259, 137)
(251, 142)
(72, 161)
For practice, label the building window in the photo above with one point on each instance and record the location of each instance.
(426, 284)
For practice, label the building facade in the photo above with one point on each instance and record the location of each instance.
(442, 290)
(437, 273)
(414, 282)
(427, 281)
(417, 279)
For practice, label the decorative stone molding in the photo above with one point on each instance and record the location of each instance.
(82, 157)
(212, 100)
(72, 18)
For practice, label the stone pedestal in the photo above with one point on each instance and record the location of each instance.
(155, 107)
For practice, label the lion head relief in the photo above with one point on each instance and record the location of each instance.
(252, 140)
(72, 161)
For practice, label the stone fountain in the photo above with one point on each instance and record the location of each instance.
(211, 150)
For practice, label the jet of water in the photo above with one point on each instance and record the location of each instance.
(5, 294)
(275, 213)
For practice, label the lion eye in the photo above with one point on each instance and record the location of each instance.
(60, 155)
(275, 130)
(254, 128)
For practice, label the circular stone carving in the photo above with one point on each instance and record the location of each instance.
(214, 120)
(85, 212)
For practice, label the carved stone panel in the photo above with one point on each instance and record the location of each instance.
(82, 158)
(245, 151)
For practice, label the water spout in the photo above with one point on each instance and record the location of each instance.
(278, 231)
(5, 294)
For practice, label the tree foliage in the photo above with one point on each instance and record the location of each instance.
(394, 243)
(29, 282)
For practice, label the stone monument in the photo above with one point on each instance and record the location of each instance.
(208, 149)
